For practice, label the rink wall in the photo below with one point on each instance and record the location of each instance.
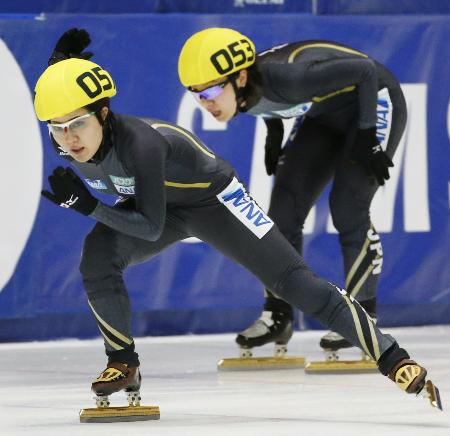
(191, 288)
(318, 7)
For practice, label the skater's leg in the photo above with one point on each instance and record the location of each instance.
(106, 254)
(277, 264)
(305, 168)
(350, 199)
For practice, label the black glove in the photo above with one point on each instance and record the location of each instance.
(70, 192)
(274, 140)
(71, 45)
(367, 151)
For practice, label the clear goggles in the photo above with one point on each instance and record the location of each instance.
(209, 93)
(75, 125)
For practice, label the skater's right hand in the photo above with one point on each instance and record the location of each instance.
(274, 140)
(69, 191)
(71, 45)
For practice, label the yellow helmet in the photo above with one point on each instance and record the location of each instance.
(214, 53)
(69, 85)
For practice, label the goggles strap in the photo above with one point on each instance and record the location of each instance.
(107, 140)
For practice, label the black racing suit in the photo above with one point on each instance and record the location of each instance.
(174, 187)
(332, 90)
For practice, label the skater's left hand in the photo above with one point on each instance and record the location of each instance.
(274, 140)
(367, 151)
(71, 45)
(70, 192)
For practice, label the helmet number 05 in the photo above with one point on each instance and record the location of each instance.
(234, 55)
(93, 82)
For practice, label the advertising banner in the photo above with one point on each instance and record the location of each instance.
(191, 288)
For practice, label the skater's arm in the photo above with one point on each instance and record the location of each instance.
(320, 80)
(146, 160)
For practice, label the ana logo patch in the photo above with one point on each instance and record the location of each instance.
(122, 181)
(245, 209)
(384, 117)
(123, 185)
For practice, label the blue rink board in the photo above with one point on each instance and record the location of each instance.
(191, 288)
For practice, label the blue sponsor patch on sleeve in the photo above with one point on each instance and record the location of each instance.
(96, 183)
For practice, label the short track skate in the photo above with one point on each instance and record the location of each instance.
(271, 327)
(248, 362)
(119, 414)
(431, 392)
(118, 377)
(332, 343)
(411, 378)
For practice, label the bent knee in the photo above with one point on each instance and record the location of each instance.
(99, 257)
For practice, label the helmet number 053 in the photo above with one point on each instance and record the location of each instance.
(234, 55)
(91, 84)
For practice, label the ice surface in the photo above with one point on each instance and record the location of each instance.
(44, 384)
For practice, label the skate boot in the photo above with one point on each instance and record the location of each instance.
(411, 377)
(269, 327)
(331, 343)
(116, 377)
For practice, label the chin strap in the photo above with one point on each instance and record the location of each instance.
(239, 93)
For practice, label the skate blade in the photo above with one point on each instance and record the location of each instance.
(342, 367)
(432, 393)
(119, 414)
(260, 363)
